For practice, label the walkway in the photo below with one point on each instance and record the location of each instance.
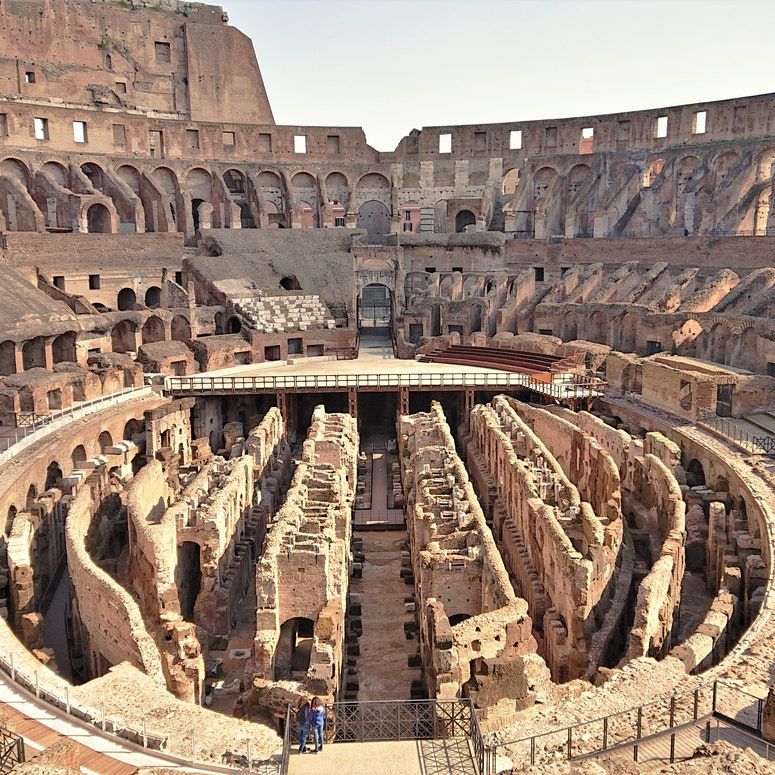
(409, 757)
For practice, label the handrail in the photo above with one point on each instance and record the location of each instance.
(725, 426)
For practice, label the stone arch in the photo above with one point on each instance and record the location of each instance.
(132, 429)
(542, 180)
(290, 283)
(123, 337)
(445, 287)
(719, 336)
(374, 187)
(199, 184)
(653, 171)
(53, 475)
(78, 456)
(695, 474)
(167, 181)
(306, 189)
(374, 216)
(233, 325)
(180, 329)
(765, 161)
(63, 348)
(723, 164)
(15, 168)
(98, 219)
(745, 356)
(511, 181)
(96, 175)
(153, 297)
(337, 187)
(7, 358)
(32, 496)
(34, 353)
(472, 286)
(597, 327)
(576, 177)
(234, 181)
(57, 172)
(296, 637)
(152, 330)
(130, 176)
(465, 220)
(684, 172)
(627, 327)
(126, 299)
(105, 440)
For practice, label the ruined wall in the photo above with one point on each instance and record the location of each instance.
(470, 615)
(303, 571)
(561, 553)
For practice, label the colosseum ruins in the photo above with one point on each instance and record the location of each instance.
(473, 439)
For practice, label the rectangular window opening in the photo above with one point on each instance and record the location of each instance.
(119, 134)
(445, 142)
(300, 143)
(563, 270)
(338, 221)
(515, 139)
(120, 87)
(179, 278)
(539, 274)
(229, 139)
(162, 51)
(3, 125)
(79, 131)
(700, 122)
(550, 135)
(430, 269)
(94, 282)
(661, 128)
(29, 77)
(41, 128)
(587, 141)
(265, 142)
(59, 281)
(333, 145)
(192, 139)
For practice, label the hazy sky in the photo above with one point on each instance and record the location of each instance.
(392, 65)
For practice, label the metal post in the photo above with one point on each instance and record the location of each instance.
(13, 669)
(707, 731)
(605, 733)
(532, 751)
(715, 695)
(67, 699)
(638, 730)
(570, 743)
(696, 703)
(37, 685)
(759, 714)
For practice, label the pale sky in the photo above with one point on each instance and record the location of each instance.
(392, 65)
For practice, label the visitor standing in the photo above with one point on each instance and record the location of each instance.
(302, 722)
(317, 718)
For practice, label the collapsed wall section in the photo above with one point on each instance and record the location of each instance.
(561, 554)
(475, 633)
(302, 576)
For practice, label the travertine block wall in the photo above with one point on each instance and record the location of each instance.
(112, 628)
(561, 553)
(460, 576)
(303, 571)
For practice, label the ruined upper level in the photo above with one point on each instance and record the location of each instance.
(170, 57)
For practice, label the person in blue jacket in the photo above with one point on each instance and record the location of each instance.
(302, 722)
(317, 719)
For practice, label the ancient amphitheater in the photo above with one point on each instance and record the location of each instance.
(472, 439)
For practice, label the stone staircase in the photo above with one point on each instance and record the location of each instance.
(281, 314)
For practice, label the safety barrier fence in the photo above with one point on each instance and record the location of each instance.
(756, 444)
(16, 439)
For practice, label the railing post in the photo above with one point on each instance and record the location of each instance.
(715, 694)
(605, 733)
(696, 703)
(638, 730)
(532, 751)
(759, 715)
(570, 743)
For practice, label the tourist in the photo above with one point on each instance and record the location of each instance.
(317, 718)
(302, 722)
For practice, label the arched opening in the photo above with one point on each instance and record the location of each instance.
(189, 577)
(98, 219)
(56, 172)
(153, 297)
(465, 220)
(7, 358)
(153, 330)
(13, 168)
(105, 440)
(375, 218)
(235, 181)
(695, 474)
(374, 306)
(53, 475)
(510, 181)
(32, 496)
(126, 299)
(234, 326)
(718, 343)
(34, 353)
(131, 177)
(294, 649)
(457, 618)
(78, 456)
(63, 348)
(9, 518)
(133, 430)
(95, 175)
(180, 329)
(123, 337)
(290, 283)
(195, 212)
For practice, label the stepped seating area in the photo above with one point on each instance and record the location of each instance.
(286, 313)
(538, 365)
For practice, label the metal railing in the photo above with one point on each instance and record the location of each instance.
(11, 750)
(727, 427)
(42, 424)
(204, 385)
(359, 722)
(633, 727)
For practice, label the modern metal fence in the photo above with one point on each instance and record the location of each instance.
(756, 444)
(11, 750)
